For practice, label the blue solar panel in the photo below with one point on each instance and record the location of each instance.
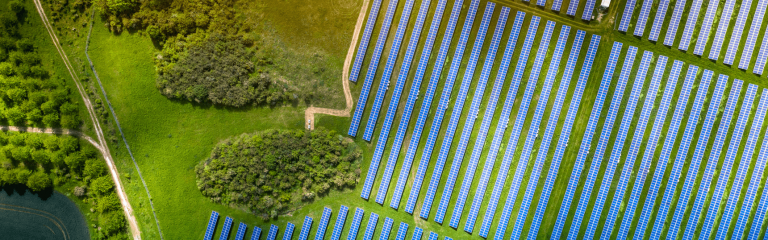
(443, 104)
(504, 121)
(373, 65)
(738, 29)
(272, 235)
(211, 225)
(741, 172)
(594, 117)
(722, 30)
(701, 149)
(682, 153)
(725, 122)
(674, 23)
(658, 21)
(634, 148)
(226, 229)
(288, 234)
(355, 227)
(426, 105)
(569, 121)
(725, 169)
(388, 222)
(706, 27)
(323, 223)
(533, 129)
(690, 25)
(256, 233)
(556, 5)
(457, 110)
(754, 31)
(626, 17)
(414, 94)
(759, 218)
(417, 232)
(402, 231)
(241, 231)
(642, 173)
(363, 47)
(761, 57)
(340, 220)
(643, 18)
(305, 228)
(491, 109)
(371, 227)
(394, 50)
(572, 7)
(433, 236)
(588, 8)
(469, 123)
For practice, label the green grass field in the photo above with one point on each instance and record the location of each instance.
(169, 138)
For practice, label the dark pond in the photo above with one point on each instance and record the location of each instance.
(44, 215)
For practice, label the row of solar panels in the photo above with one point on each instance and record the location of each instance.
(704, 27)
(227, 228)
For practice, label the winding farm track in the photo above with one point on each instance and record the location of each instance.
(102, 143)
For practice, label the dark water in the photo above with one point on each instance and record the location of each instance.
(45, 215)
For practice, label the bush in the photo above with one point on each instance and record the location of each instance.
(69, 144)
(101, 186)
(16, 6)
(75, 161)
(39, 181)
(108, 203)
(79, 191)
(6, 68)
(41, 157)
(94, 168)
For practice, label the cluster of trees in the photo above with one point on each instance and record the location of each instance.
(274, 171)
(42, 161)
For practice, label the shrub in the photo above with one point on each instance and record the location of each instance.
(75, 161)
(6, 68)
(41, 157)
(39, 181)
(69, 144)
(79, 191)
(15, 115)
(94, 168)
(101, 186)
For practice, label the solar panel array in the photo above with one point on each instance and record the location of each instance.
(658, 21)
(690, 25)
(241, 231)
(271, 235)
(402, 231)
(741, 172)
(749, 197)
(674, 23)
(256, 233)
(706, 27)
(754, 30)
(340, 220)
(572, 7)
(569, 121)
(323, 223)
(761, 57)
(355, 227)
(305, 228)
(682, 153)
(643, 18)
(417, 232)
(226, 229)
(588, 8)
(388, 222)
(722, 29)
(735, 36)
(594, 117)
(433, 236)
(363, 47)
(722, 132)
(288, 234)
(371, 227)
(211, 225)
(502, 126)
(373, 65)
(469, 123)
(457, 113)
(626, 17)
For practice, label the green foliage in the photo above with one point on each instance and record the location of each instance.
(39, 181)
(75, 161)
(16, 6)
(94, 168)
(271, 171)
(112, 222)
(108, 203)
(101, 186)
(41, 157)
(68, 144)
(6, 68)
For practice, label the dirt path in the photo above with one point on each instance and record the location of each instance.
(102, 143)
(309, 114)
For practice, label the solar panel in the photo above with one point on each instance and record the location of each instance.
(363, 47)
(388, 222)
(426, 105)
(690, 25)
(594, 117)
(626, 17)
(288, 234)
(643, 18)
(413, 95)
(272, 235)
(211, 225)
(706, 27)
(572, 7)
(417, 233)
(256, 233)
(588, 8)
(371, 227)
(761, 57)
(754, 30)
(509, 101)
(469, 123)
(682, 153)
(394, 50)
(541, 108)
(725, 169)
(759, 218)
(402, 231)
(658, 21)
(356, 220)
(226, 229)
(738, 29)
(458, 108)
(241, 231)
(433, 236)
(674, 23)
(741, 172)
(722, 132)
(323, 223)
(722, 30)
(565, 132)
(701, 149)
(373, 65)
(556, 5)
(340, 220)
(305, 228)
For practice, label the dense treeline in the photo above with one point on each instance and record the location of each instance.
(29, 95)
(275, 171)
(42, 161)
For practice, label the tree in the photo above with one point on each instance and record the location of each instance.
(57, 158)
(15, 115)
(69, 144)
(34, 140)
(102, 185)
(79, 191)
(70, 121)
(51, 142)
(94, 168)
(35, 115)
(113, 222)
(22, 175)
(75, 161)
(6, 68)
(21, 154)
(39, 181)
(107, 203)
(17, 95)
(51, 119)
(41, 157)
(25, 44)
(16, 6)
